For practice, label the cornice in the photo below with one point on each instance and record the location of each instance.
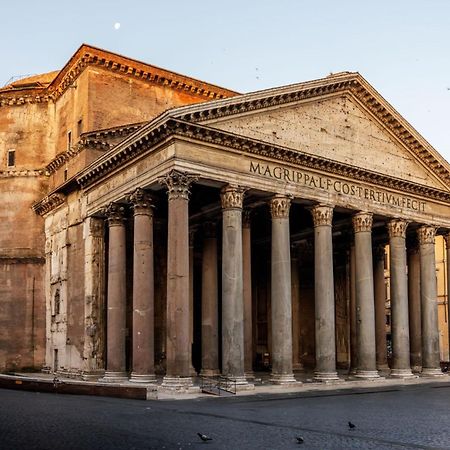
(48, 203)
(21, 173)
(91, 56)
(136, 145)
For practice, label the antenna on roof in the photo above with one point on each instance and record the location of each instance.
(18, 77)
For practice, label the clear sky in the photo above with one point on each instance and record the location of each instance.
(400, 46)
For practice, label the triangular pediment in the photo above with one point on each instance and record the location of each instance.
(340, 118)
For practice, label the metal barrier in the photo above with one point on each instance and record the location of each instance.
(218, 385)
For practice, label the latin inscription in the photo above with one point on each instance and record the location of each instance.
(337, 186)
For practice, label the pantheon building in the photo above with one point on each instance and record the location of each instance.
(175, 228)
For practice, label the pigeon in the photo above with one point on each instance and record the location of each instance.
(300, 440)
(203, 437)
(351, 425)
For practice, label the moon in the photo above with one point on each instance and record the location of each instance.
(117, 25)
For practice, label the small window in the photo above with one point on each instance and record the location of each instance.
(69, 140)
(57, 300)
(65, 174)
(79, 127)
(11, 158)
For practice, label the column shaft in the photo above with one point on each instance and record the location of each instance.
(116, 296)
(428, 293)
(365, 305)
(324, 294)
(247, 293)
(210, 314)
(415, 327)
(143, 290)
(380, 308)
(399, 299)
(281, 302)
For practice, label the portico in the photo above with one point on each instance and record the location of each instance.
(289, 249)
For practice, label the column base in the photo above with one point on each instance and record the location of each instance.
(367, 374)
(326, 377)
(241, 383)
(402, 373)
(432, 372)
(92, 375)
(284, 379)
(209, 372)
(114, 377)
(178, 384)
(142, 378)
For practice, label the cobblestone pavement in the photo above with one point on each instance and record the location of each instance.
(388, 418)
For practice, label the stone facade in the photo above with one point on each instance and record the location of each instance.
(267, 214)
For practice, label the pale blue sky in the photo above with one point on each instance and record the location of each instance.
(401, 47)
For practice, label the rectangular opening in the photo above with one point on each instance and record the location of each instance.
(69, 140)
(79, 127)
(11, 158)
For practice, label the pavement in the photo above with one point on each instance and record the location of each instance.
(393, 416)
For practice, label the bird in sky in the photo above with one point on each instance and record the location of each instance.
(351, 425)
(203, 437)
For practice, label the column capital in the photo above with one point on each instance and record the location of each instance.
(115, 214)
(322, 215)
(246, 218)
(279, 206)
(397, 228)
(362, 221)
(142, 202)
(426, 234)
(232, 197)
(178, 183)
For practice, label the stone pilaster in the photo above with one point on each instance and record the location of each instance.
(399, 299)
(210, 303)
(143, 353)
(232, 286)
(380, 307)
(178, 341)
(415, 326)
(428, 294)
(94, 282)
(116, 295)
(247, 293)
(365, 307)
(324, 294)
(281, 304)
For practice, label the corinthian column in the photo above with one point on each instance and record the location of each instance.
(415, 326)
(399, 299)
(247, 292)
(324, 294)
(143, 289)
(281, 304)
(365, 307)
(232, 292)
(380, 307)
(430, 330)
(210, 303)
(178, 340)
(116, 296)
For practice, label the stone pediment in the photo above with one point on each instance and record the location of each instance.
(340, 118)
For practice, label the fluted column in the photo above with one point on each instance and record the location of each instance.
(399, 299)
(232, 285)
(143, 356)
(428, 293)
(210, 304)
(247, 293)
(281, 304)
(116, 296)
(178, 341)
(324, 294)
(380, 307)
(365, 303)
(415, 326)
